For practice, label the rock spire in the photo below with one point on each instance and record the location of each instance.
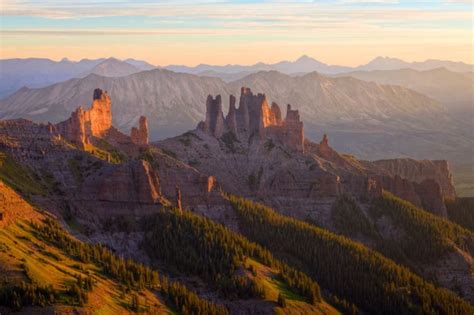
(255, 119)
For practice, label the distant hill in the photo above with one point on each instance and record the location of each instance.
(35, 72)
(306, 64)
(40, 72)
(112, 67)
(142, 65)
(302, 64)
(455, 90)
(387, 63)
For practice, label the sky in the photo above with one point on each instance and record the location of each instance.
(163, 32)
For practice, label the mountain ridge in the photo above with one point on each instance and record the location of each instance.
(347, 108)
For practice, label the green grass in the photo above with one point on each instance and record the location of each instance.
(30, 259)
(18, 177)
(273, 286)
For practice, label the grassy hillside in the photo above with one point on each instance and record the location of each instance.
(43, 266)
(19, 178)
(374, 283)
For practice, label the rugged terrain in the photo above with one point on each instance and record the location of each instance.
(363, 118)
(143, 201)
(250, 155)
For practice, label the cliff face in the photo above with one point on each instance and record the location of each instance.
(255, 119)
(132, 182)
(419, 171)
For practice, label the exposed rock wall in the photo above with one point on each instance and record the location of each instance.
(254, 119)
(133, 182)
(431, 197)
(419, 171)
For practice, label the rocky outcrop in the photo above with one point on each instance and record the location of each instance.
(254, 119)
(84, 124)
(85, 127)
(324, 150)
(139, 135)
(214, 124)
(426, 195)
(431, 197)
(419, 171)
(130, 183)
(98, 119)
(293, 129)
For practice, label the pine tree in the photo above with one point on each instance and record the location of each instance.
(281, 300)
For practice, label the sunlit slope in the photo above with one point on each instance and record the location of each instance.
(350, 270)
(26, 258)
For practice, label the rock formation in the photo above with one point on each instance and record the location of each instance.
(214, 123)
(132, 182)
(84, 127)
(293, 129)
(178, 201)
(99, 118)
(254, 119)
(84, 124)
(419, 171)
(431, 197)
(139, 135)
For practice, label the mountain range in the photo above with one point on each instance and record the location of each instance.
(35, 72)
(306, 64)
(351, 110)
(242, 214)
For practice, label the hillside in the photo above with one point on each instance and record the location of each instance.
(39, 72)
(454, 90)
(322, 254)
(44, 267)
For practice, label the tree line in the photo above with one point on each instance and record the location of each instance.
(126, 271)
(215, 253)
(348, 269)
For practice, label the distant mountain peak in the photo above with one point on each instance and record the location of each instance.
(304, 58)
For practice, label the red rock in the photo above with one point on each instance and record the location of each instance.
(84, 124)
(254, 119)
(139, 135)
